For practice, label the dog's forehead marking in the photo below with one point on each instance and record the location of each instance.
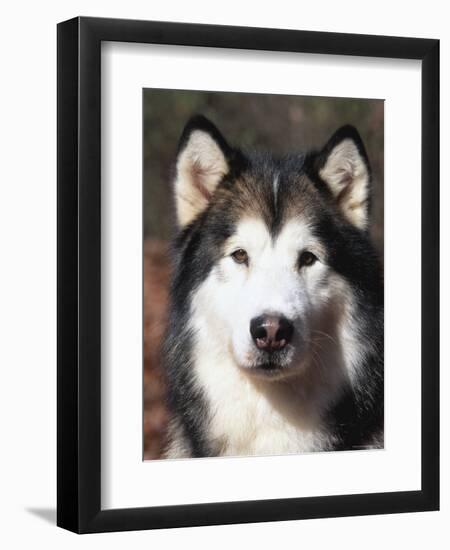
(275, 190)
(253, 233)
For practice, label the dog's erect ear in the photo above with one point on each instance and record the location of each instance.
(344, 167)
(203, 160)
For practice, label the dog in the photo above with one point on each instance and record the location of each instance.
(274, 343)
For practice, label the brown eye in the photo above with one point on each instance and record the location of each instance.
(240, 256)
(306, 259)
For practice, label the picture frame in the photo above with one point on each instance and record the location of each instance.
(79, 427)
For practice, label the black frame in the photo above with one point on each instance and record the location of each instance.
(79, 320)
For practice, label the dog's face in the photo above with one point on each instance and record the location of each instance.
(262, 244)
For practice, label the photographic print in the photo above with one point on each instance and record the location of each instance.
(221, 272)
(263, 274)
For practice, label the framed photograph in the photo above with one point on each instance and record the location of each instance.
(248, 292)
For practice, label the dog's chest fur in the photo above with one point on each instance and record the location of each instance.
(253, 417)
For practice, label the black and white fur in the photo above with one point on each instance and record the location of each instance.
(262, 237)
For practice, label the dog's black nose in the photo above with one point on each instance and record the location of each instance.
(271, 332)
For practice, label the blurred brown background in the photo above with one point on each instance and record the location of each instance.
(279, 123)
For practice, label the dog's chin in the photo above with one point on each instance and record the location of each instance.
(270, 371)
(273, 367)
(277, 365)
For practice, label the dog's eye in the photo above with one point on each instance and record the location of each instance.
(240, 256)
(306, 259)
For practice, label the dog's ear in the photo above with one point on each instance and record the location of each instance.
(344, 167)
(203, 160)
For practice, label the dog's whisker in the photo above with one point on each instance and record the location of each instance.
(320, 332)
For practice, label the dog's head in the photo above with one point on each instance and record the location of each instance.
(269, 247)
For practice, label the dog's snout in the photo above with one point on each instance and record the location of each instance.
(271, 332)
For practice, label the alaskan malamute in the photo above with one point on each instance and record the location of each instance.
(275, 336)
